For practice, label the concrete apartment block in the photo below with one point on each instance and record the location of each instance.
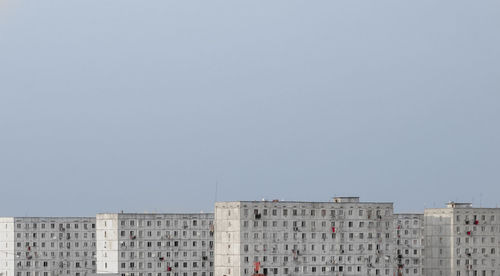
(155, 244)
(47, 246)
(342, 237)
(462, 241)
(409, 235)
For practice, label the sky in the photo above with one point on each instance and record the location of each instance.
(169, 106)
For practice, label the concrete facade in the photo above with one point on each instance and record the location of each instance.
(47, 246)
(155, 244)
(342, 237)
(462, 240)
(409, 234)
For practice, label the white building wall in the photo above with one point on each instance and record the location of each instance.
(7, 246)
(228, 238)
(107, 243)
(438, 241)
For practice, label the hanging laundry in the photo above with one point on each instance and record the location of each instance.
(256, 266)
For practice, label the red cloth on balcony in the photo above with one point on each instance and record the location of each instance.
(256, 266)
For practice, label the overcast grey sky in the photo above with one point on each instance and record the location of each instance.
(145, 105)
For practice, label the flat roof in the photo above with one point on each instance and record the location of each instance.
(50, 217)
(156, 214)
(317, 202)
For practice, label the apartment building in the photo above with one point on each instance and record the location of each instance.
(133, 244)
(47, 246)
(409, 235)
(461, 240)
(342, 237)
